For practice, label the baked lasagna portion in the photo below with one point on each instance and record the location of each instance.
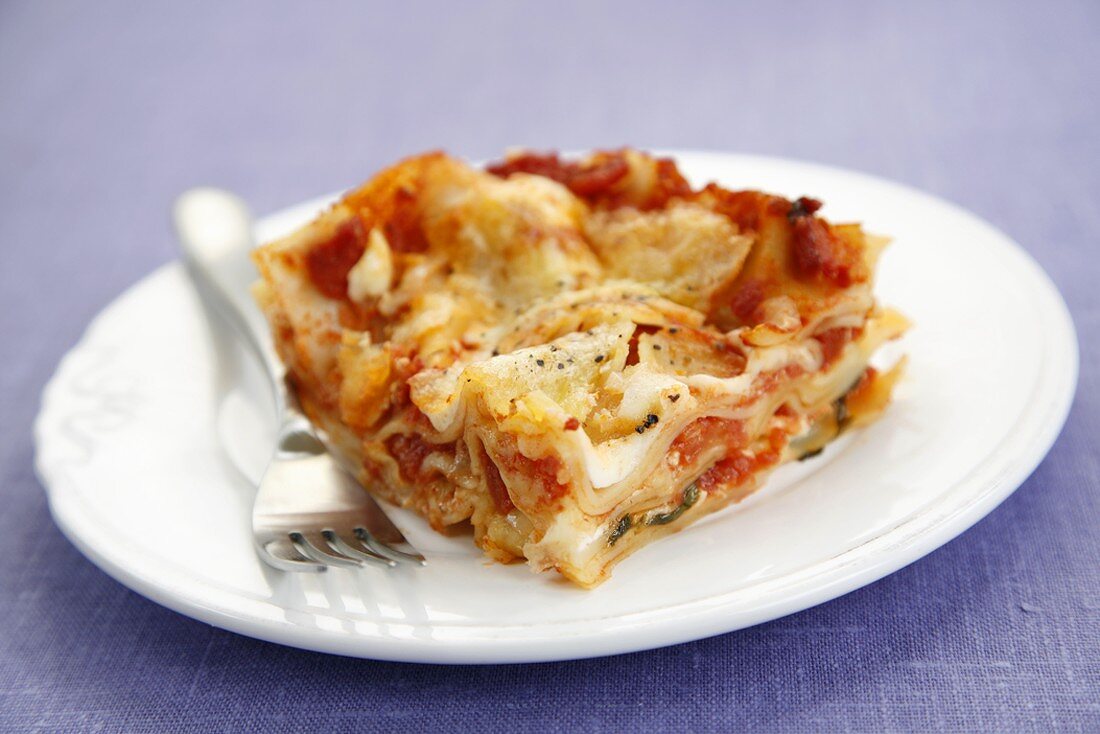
(574, 357)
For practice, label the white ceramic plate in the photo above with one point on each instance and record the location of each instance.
(154, 428)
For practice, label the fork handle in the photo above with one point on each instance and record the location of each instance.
(215, 233)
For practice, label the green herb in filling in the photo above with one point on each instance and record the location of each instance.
(691, 496)
(811, 454)
(842, 416)
(624, 524)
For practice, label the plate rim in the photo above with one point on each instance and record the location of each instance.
(702, 617)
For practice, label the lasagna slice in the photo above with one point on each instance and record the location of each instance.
(574, 357)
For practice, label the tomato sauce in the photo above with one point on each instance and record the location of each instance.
(598, 180)
(329, 262)
(410, 452)
(737, 467)
(497, 489)
(543, 471)
(746, 209)
(817, 251)
(586, 180)
(706, 432)
(747, 300)
(403, 229)
(833, 342)
(670, 184)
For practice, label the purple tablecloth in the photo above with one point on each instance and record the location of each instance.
(109, 110)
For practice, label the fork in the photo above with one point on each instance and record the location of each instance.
(309, 514)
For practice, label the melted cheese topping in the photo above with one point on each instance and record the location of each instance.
(557, 352)
(372, 274)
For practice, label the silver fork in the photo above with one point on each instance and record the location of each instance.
(309, 513)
